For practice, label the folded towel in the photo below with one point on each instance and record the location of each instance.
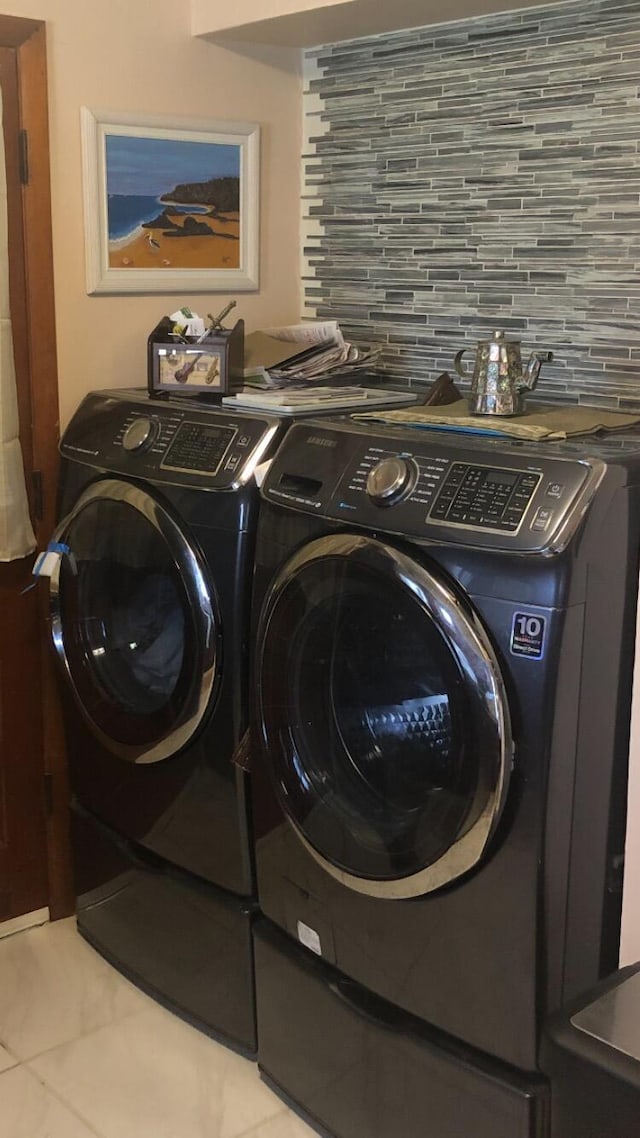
(540, 422)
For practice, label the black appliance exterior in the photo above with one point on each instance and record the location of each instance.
(150, 619)
(361, 1068)
(185, 942)
(536, 919)
(594, 1085)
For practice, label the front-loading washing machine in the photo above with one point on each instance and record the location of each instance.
(150, 621)
(443, 662)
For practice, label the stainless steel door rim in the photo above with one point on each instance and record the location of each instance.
(200, 600)
(471, 648)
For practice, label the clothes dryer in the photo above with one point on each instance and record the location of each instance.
(150, 621)
(443, 661)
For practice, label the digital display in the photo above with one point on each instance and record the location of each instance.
(502, 477)
(198, 446)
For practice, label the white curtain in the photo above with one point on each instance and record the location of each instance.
(16, 535)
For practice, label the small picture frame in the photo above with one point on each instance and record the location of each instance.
(211, 367)
(190, 368)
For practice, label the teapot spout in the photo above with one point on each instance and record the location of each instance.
(532, 370)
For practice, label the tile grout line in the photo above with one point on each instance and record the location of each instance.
(54, 1095)
(283, 1112)
(80, 1036)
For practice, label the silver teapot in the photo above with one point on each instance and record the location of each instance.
(498, 383)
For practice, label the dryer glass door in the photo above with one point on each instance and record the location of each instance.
(383, 717)
(134, 622)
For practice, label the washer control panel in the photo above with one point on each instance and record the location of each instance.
(484, 496)
(490, 495)
(192, 444)
(198, 446)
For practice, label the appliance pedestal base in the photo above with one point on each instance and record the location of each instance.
(184, 942)
(359, 1068)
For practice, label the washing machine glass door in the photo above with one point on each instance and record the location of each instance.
(134, 622)
(383, 716)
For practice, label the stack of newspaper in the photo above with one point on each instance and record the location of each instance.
(302, 354)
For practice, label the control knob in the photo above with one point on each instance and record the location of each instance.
(140, 435)
(391, 480)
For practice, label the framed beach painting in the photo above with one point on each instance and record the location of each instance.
(170, 205)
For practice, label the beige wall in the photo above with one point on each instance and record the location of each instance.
(139, 55)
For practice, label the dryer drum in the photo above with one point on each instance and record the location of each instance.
(383, 715)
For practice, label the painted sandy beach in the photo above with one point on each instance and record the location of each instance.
(149, 248)
(172, 203)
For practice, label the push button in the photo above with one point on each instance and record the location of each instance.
(440, 510)
(554, 490)
(542, 519)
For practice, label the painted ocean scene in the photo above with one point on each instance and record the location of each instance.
(127, 212)
(172, 204)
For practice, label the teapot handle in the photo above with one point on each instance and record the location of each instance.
(457, 363)
(532, 370)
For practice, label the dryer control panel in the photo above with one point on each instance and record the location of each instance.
(185, 443)
(491, 495)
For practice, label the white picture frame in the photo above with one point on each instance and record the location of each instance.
(126, 160)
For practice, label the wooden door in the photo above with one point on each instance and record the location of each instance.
(34, 869)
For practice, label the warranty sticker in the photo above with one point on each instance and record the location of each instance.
(527, 635)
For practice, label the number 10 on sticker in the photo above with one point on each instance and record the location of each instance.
(527, 635)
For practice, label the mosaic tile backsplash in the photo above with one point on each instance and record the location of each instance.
(478, 175)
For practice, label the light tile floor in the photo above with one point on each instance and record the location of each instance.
(84, 1053)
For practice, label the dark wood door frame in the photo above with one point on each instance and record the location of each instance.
(33, 318)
